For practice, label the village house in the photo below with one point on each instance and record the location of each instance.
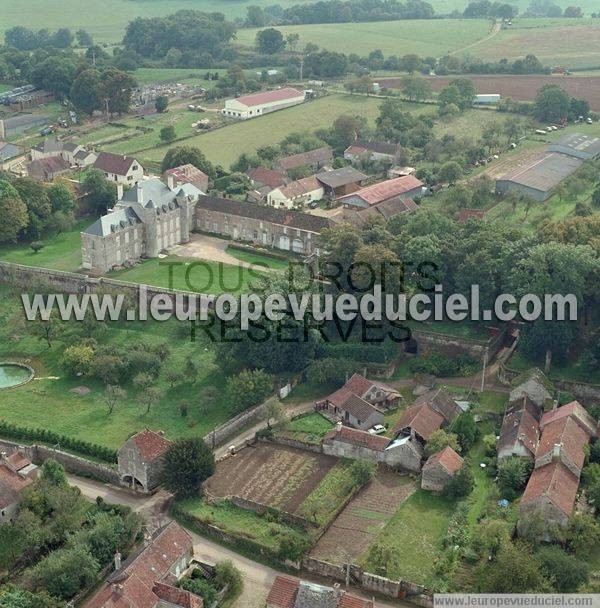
(278, 228)
(440, 401)
(559, 458)
(421, 420)
(140, 460)
(16, 473)
(375, 392)
(149, 577)
(381, 211)
(534, 385)
(47, 169)
(520, 432)
(341, 181)
(257, 104)
(296, 194)
(313, 159)
(363, 150)
(149, 218)
(262, 176)
(440, 468)
(401, 187)
(186, 174)
(289, 592)
(120, 169)
(74, 154)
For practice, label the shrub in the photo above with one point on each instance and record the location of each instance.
(77, 359)
(461, 484)
(437, 364)
(248, 388)
(292, 546)
(566, 571)
(362, 472)
(227, 575)
(513, 474)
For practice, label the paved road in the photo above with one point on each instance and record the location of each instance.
(258, 578)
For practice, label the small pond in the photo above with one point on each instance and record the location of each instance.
(13, 374)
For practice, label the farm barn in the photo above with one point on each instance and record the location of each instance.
(539, 177)
(577, 145)
(257, 104)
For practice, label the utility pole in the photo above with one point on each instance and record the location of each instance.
(301, 67)
(106, 102)
(485, 358)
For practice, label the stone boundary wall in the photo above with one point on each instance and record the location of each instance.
(72, 464)
(260, 509)
(317, 448)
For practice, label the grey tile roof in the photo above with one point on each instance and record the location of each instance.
(341, 177)
(116, 220)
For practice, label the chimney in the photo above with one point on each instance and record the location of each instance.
(554, 404)
(338, 426)
(140, 192)
(556, 451)
(117, 561)
(171, 181)
(118, 589)
(119, 191)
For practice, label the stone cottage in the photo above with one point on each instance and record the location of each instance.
(535, 385)
(442, 402)
(440, 468)
(421, 420)
(405, 452)
(149, 218)
(520, 432)
(119, 169)
(16, 473)
(140, 460)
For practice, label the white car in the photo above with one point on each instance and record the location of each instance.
(377, 429)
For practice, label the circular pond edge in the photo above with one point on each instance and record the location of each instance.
(22, 365)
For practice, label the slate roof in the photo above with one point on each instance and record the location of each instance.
(113, 221)
(8, 150)
(555, 482)
(447, 458)
(51, 164)
(385, 190)
(268, 177)
(151, 445)
(357, 407)
(114, 163)
(341, 177)
(380, 147)
(312, 157)
(420, 418)
(256, 99)
(139, 574)
(282, 217)
(440, 401)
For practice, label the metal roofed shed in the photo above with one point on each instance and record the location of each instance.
(539, 177)
(577, 145)
(487, 99)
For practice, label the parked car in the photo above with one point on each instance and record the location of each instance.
(313, 205)
(378, 429)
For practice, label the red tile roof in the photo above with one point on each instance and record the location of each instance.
(268, 177)
(301, 187)
(422, 419)
(360, 438)
(150, 444)
(18, 461)
(188, 174)
(519, 425)
(555, 482)
(467, 214)
(176, 596)
(577, 411)
(440, 401)
(11, 484)
(133, 585)
(385, 190)
(351, 601)
(447, 458)
(256, 99)
(283, 592)
(113, 163)
(355, 150)
(358, 385)
(569, 435)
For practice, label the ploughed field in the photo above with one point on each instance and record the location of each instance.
(275, 476)
(522, 88)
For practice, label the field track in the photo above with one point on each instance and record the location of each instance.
(522, 88)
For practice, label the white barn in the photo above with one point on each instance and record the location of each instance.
(257, 104)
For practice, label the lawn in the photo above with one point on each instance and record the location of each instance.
(256, 259)
(462, 329)
(62, 252)
(571, 371)
(574, 43)
(48, 401)
(415, 534)
(190, 274)
(235, 520)
(322, 504)
(224, 145)
(426, 38)
(310, 428)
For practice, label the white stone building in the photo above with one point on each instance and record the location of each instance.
(120, 169)
(257, 104)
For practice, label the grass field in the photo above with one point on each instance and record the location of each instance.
(224, 145)
(48, 401)
(427, 38)
(310, 428)
(415, 533)
(574, 43)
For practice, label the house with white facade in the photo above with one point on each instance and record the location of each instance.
(257, 104)
(297, 194)
(120, 169)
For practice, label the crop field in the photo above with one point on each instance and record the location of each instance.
(275, 476)
(574, 43)
(364, 517)
(423, 37)
(223, 146)
(523, 88)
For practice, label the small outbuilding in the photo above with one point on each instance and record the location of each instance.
(440, 468)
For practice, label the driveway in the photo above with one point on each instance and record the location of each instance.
(207, 248)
